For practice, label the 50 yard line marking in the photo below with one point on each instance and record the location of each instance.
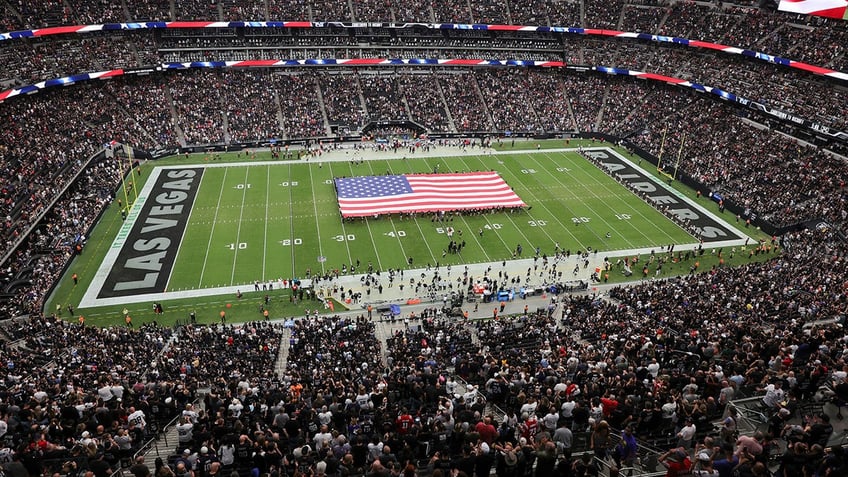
(474, 234)
(212, 231)
(238, 230)
(462, 217)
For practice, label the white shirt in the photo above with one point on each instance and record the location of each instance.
(105, 393)
(227, 454)
(320, 438)
(191, 415)
(773, 396)
(236, 407)
(185, 432)
(687, 433)
(567, 408)
(374, 450)
(550, 421)
(364, 401)
(325, 417)
(654, 369)
(137, 419)
(528, 408)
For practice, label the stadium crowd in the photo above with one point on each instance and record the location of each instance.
(657, 361)
(815, 40)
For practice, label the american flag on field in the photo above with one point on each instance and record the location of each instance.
(822, 8)
(371, 195)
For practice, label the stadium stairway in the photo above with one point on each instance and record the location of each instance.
(383, 331)
(283, 356)
(363, 105)
(280, 120)
(174, 116)
(126, 9)
(600, 118)
(479, 93)
(222, 103)
(444, 102)
(320, 96)
(163, 447)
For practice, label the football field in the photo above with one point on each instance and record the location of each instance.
(203, 229)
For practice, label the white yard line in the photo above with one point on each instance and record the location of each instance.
(317, 222)
(267, 206)
(238, 230)
(212, 231)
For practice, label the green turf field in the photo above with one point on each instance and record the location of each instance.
(265, 220)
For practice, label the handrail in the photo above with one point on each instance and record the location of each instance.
(164, 431)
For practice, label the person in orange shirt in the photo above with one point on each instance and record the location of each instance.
(296, 389)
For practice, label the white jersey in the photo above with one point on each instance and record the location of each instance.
(137, 419)
(185, 432)
(364, 401)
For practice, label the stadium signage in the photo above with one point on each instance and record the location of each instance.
(705, 226)
(791, 118)
(147, 256)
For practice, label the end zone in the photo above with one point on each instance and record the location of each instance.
(140, 259)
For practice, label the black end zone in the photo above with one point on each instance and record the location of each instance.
(147, 256)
